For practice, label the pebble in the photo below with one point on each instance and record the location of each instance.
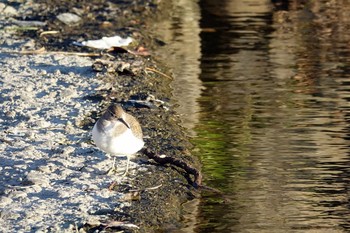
(42, 124)
(29, 88)
(7, 10)
(69, 128)
(38, 178)
(68, 93)
(35, 189)
(18, 194)
(77, 105)
(84, 145)
(63, 194)
(43, 72)
(46, 169)
(4, 201)
(93, 220)
(88, 169)
(11, 114)
(68, 18)
(57, 72)
(13, 216)
(2, 6)
(31, 136)
(29, 45)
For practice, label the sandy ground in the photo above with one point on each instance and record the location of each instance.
(49, 169)
(51, 175)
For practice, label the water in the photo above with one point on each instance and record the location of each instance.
(270, 112)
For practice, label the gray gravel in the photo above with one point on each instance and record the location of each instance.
(51, 175)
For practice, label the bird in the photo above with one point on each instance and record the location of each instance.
(118, 133)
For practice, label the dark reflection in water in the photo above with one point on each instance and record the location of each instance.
(273, 128)
(267, 100)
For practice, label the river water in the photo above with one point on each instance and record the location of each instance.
(264, 91)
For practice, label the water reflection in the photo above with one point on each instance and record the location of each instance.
(273, 119)
(273, 127)
(180, 31)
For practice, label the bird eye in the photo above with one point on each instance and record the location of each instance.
(112, 113)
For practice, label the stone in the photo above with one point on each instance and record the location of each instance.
(8, 10)
(68, 18)
(37, 178)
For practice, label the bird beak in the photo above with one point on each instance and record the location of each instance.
(124, 122)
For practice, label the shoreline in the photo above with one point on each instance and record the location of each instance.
(49, 102)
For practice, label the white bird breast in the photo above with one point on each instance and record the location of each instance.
(125, 144)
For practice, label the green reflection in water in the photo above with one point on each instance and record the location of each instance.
(223, 143)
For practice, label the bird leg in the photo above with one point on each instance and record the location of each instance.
(113, 168)
(127, 166)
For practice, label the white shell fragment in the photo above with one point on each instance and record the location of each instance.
(106, 42)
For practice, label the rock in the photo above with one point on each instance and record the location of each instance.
(68, 150)
(43, 72)
(11, 114)
(7, 10)
(4, 201)
(93, 220)
(42, 124)
(69, 128)
(68, 93)
(13, 216)
(68, 18)
(57, 72)
(18, 194)
(37, 178)
(2, 6)
(46, 169)
(29, 45)
(35, 189)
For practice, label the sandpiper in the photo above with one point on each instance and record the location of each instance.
(118, 134)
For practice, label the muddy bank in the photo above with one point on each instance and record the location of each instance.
(52, 176)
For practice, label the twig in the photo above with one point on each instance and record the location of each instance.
(65, 53)
(48, 33)
(22, 28)
(43, 51)
(158, 72)
(146, 189)
(197, 183)
(153, 188)
(111, 186)
(178, 163)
